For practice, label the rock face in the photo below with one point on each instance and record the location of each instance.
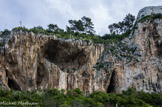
(149, 11)
(31, 62)
(136, 62)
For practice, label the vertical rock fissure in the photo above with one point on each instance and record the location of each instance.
(111, 87)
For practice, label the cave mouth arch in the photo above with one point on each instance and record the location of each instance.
(65, 55)
(13, 85)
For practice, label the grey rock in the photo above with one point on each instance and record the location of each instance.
(149, 11)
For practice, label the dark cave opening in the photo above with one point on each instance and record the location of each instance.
(51, 50)
(13, 85)
(65, 55)
(41, 75)
(111, 87)
(159, 50)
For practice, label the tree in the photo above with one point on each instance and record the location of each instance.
(76, 26)
(38, 30)
(88, 25)
(54, 28)
(5, 32)
(85, 25)
(114, 28)
(122, 27)
(38, 27)
(128, 22)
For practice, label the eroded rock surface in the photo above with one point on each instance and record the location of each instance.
(149, 11)
(39, 62)
(137, 61)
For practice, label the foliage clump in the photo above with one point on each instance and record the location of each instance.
(6, 32)
(123, 26)
(75, 98)
(150, 17)
(83, 29)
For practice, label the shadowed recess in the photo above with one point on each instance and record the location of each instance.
(65, 55)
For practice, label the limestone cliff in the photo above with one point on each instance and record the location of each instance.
(29, 62)
(136, 62)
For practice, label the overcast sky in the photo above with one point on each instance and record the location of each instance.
(42, 12)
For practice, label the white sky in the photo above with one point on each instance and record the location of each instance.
(42, 12)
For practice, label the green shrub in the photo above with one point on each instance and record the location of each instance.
(2, 44)
(20, 29)
(149, 17)
(6, 32)
(75, 97)
(38, 30)
(115, 37)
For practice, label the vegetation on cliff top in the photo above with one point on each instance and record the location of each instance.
(75, 98)
(82, 29)
(150, 17)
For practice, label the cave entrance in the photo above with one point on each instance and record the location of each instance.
(111, 87)
(13, 85)
(41, 75)
(66, 56)
(159, 50)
